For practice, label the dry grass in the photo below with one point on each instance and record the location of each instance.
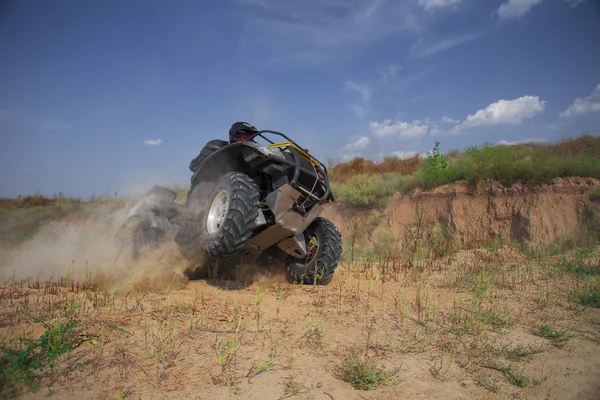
(364, 183)
(341, 172)
(485, 319)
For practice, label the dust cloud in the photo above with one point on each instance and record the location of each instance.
(85, 246)
(92, 246)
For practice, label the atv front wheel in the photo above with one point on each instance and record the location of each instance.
(324, 247)
(229, 215)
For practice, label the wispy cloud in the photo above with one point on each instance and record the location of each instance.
(437, 4)
(358, 144)
(422, 49)
(582, 106)
(359, 110)
(53, 125)
(153, 142)
(575, 3)
(316, 31)
(516, 8)
(390, 73)
(364, 90)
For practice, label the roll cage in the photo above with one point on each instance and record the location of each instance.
(319, 171)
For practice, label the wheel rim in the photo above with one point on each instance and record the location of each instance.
(217, 212)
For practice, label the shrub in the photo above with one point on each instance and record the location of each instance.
(343, 172)
(367, 190)
(362, 182)
(595, 195)
(34, 201)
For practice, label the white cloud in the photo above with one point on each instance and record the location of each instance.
(433, 4)
(504, 112)
(402, 154)
(364, 91)
(404, 130)
(153, 142)
(516, 8)
(427, 49)
(448, 120)
(360, 143)
(347, 157)
(513, 143)
(581, 106)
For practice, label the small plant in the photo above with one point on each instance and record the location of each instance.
(360, 370)
(557, 337)
(313, 335)
(520, 352)
(515, 376)
(292, 388)
(589, 296)
(436, 160)
(595, 195)
(265, 365)
(23, 367)
(226, 352)
(260, 295)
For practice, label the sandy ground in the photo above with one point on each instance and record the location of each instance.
(165, 344)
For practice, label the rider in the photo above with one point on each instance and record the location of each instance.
(241, 131)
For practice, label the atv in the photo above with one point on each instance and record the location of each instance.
(249, 202)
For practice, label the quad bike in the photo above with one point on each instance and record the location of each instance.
(249, 202)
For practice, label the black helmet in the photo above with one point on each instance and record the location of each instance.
(240, 131)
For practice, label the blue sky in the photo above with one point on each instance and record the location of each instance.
(101, 96)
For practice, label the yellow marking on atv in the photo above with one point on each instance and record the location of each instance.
(303, 153)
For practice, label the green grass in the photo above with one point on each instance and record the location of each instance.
(23, 366)
(367, 189)
(551, 333)
(595, 195)
(362, 373)
(18, 224)
(514, 375)
(588, 295)
(526, 164)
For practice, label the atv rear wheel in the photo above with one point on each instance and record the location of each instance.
(135, 235)
(324, 247)
(228, 215)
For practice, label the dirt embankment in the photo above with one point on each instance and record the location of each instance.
(539, 215)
